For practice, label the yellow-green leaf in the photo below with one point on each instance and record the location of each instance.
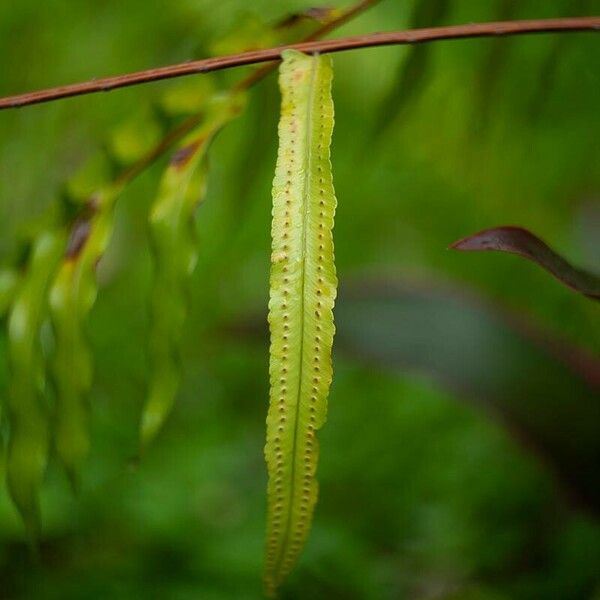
(28, 436)
(72, 296)
(172, 232)
(303, 289)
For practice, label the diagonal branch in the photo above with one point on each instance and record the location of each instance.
(415, 36)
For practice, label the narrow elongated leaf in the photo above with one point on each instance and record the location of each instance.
(516, 240)
(28, 438)
(72, 296)
(303, 289)
(175, 248)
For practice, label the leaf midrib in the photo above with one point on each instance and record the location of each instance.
(305, 218)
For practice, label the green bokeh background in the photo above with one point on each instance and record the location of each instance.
(423, 496)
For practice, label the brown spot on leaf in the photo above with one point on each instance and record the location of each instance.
(183, 156)
(82, 226)
(79, 236)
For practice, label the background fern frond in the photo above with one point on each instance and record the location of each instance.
(175, 251)
(28, 415)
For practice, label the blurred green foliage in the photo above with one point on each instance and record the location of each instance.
(421, 496)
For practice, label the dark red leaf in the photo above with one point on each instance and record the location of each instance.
(522, 242)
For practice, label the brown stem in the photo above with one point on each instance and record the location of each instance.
(415, 36)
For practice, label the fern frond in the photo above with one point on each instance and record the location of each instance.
(303, 289)
(72, 296)
(174, 245)
(28, 436)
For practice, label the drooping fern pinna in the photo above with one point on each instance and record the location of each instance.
(28, 413)
(303, 289)
(172, 233)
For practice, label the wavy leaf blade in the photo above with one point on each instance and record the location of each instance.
(302, 294)
(28, 438)
(72, 296)
(175, 251)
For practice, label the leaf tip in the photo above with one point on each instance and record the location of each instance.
(517, 240)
